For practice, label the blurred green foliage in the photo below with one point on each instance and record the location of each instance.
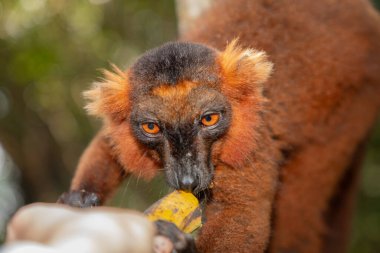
(366, 224)
(51, 50)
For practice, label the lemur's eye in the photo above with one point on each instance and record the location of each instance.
(210, 119)
(151, 128)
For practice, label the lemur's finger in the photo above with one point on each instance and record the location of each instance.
(81, 199)
(162, 244)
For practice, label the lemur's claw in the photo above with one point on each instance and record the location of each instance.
(81, 199)
(182, 242)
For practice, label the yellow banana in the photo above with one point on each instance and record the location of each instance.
(179, 207)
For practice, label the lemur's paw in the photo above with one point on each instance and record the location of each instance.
(182, 242)
(81, 199)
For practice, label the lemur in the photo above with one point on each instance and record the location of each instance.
(282, 153)
(184, 107)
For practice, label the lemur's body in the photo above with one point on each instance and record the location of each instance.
(323, 99)
(291, 153)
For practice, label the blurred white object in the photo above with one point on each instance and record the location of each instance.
(55, 228)
(10, 193)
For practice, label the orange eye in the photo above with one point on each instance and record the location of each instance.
(210, 119)
(151, 128)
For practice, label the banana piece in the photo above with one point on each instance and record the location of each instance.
(179, 207)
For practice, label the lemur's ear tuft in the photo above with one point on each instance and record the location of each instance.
(243, 70)
(109, 97)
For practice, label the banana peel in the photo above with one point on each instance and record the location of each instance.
(179, 207)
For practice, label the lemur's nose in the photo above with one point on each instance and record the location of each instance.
(187, 183)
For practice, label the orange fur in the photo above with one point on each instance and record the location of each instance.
(179, 91)
(243, 72)
(240, 141)
(96, 164)
(175, 100)
(105, 163)
(134, 157)
(110, 95)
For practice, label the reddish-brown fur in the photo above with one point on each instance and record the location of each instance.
(115, 152)
(175, 97)
(285, 156)
(179, 91)
(103, 165)
(323, 99)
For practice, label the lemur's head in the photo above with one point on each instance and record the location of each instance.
(184, 108)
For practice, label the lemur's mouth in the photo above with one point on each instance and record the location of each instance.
(189, 173)
(190, 182)
(204, 195)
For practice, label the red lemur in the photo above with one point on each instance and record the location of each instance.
(283, 154)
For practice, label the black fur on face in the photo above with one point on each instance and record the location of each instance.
(183, 144)
(172, 63)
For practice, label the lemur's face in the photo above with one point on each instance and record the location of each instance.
(179, 111)
(180, 123)
(184, 108)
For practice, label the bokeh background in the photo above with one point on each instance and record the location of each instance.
(50, 51)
